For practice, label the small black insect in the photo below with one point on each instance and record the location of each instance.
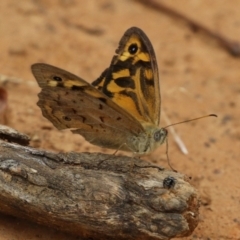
(169, 182)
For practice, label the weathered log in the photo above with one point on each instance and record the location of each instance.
(95, 195)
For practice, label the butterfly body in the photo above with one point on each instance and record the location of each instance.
(120, 110)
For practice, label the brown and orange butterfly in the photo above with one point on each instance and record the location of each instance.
(120, 110)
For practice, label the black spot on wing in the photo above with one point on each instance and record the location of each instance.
(133, 48)
(102, 119)
(122, 65)
(66, 118)
(77, 88)
(57, 78)
(125, 82)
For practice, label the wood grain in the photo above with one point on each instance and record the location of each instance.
(96, 196)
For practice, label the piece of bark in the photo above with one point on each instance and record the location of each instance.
(12, 135)
(96, 196)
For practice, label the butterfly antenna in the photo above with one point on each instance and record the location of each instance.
(209, 115)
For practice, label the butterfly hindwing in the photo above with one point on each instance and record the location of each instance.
(70, 102)
(132, 80)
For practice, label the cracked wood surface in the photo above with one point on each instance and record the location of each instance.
(96, 195)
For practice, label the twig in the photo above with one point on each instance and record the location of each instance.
(233, 47)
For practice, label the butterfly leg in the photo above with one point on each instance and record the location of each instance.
(135, 155)
(121, 146)
(169, 164)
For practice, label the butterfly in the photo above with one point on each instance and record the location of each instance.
(120, 110)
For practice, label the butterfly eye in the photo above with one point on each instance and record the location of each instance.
(133, 48)
(160, 135)
(157, 136)
(56, 78)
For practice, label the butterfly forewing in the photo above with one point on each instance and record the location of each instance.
(132, 80)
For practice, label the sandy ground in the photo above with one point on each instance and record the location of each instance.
(197, 78)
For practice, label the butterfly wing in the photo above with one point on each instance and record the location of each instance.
(70, 102)
(132, 80)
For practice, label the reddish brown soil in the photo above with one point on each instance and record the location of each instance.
(197, 77)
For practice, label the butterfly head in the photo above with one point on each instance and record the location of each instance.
(151, 139)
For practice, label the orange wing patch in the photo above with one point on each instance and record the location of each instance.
(129, 81)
